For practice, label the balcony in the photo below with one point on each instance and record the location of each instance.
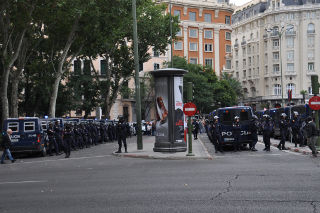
(236, 46)
(243, 43)
(275, 34)
(265, 36)
(275, 47)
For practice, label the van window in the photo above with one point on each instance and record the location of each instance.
(244, 115)
(226, 117)
(44, 125)
(29, 126)
(14, 126)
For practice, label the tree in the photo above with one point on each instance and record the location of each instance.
(209, 92)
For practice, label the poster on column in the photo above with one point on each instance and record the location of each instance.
(178, 110)
(162, 125)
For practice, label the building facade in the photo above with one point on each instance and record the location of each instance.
(276, 48)
(205, 32)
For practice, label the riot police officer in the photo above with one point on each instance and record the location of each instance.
(236, 129)
(214, 130)
(254, 126)
(67, 140)
(283, 131)
(295, 126)
(267, 128)
(52, 140)
(121, 130)
(58, 135)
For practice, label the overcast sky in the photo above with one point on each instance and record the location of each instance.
(239, 2)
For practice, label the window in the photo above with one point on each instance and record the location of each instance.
(193, 46)
(228, 48)
(266, 57)
(228, 64)
(179, 33)
(275, 55)
(14, 126)
(208, 62)
(228, 36)
(237, 53)
(193, 61)
(276, 68)
(77, 67)
(103, 67)
(290, 55)
(311, 66)
(266, 70)
(193, 33)
(277, 89)
(266, 45)
(244, 63)
(207, 17)
(208, 34)
(192, 16)
(290, 87)
(310, 90)
(275, 43)
(249, 61)
(290, 16)
(310, 54)
(311, 28)
(290, 67)
(208, 47)
(290, 42)
(237, 64)
(178, 45)
(156, 53)
(29, 126)
(156, 66)
(228, 20)
(310, 41)
(177, 13)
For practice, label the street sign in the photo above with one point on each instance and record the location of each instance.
(314, 103)
(189, 109)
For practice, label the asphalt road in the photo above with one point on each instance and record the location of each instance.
(93, 180)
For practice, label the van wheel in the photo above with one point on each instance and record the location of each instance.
(43, 152)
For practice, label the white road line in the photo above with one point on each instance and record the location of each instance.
(64, 159)
(255, 155)
(27, 181)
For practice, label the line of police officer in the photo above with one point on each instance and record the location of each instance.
(299, 129)
(84, 135)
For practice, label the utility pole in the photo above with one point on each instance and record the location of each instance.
(170, 8)
(137, 80)
(189, 96)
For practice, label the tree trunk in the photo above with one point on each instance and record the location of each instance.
(14, 97)
(54, 95)
(4, 94)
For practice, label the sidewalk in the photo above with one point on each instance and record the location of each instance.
(290, 146)
(199, 151)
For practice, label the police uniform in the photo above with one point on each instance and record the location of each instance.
(283, 132)
(215, 134)
(267, 128)
(67, 140)
(296, 133)
(236, 129)
(254, 126)
(52, 140)
(121, 130)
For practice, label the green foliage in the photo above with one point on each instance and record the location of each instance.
(209, 92)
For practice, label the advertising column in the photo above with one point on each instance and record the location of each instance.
(169, 107)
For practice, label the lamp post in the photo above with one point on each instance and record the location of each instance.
(280, 33)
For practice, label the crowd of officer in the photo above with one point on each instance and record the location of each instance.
(303, 132)
(73, 137)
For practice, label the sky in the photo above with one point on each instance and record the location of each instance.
(239, 2)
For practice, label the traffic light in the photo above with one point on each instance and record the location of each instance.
(315, 84)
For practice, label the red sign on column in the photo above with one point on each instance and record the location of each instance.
(314, 103)
(189, 109)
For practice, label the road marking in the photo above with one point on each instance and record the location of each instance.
(27, 181)
(255, 155)
(65, 159)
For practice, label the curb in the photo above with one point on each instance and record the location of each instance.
(132, 155)
(295, 149)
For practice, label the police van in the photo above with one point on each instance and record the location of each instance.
(27, 135)
(226, 118)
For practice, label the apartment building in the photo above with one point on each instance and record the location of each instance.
(205, 32)
(275, 49)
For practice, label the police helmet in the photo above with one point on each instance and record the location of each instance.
(295, 113)
(254, 117)
(283, 115)
(216, 117)
(267, 117)
(236, 118)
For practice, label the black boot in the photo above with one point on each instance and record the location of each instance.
(119, 151)
(279, 146)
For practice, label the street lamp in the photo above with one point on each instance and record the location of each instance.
(276, 32)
